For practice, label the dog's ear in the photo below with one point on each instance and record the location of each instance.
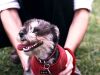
(55, 32)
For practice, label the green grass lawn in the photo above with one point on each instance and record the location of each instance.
(88, 54)
(6, 66)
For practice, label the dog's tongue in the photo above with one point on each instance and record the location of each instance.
(27, 47)
(21, 46)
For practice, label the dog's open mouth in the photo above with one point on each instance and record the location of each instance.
(29, 47)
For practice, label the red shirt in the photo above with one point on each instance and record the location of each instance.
(55, 68)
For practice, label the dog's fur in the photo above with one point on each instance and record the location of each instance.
(39, 38)
(36, 30)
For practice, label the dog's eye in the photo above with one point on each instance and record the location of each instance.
(36, 30)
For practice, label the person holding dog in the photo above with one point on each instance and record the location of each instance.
(71, 16)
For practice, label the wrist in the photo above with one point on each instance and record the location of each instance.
(69, 50)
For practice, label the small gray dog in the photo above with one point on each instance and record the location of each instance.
(39, 40)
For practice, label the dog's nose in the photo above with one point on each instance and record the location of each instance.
(21, 34)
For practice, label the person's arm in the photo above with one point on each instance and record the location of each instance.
(79, 24)
(12, 23)
(76, 33)
(77, 29)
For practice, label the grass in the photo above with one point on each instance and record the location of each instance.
(6, 66)
(88, 54)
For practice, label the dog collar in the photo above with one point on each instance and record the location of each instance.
(51, 55)
(39, 68)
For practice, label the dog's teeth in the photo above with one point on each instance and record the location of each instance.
(30, 47)
(34, 44)
(26, 48)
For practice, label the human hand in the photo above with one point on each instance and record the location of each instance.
(69, 65)
(25, 61)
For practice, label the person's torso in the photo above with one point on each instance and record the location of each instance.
(58, 12)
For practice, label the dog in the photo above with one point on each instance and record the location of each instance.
(39, 40)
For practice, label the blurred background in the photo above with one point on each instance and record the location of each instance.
(88, 54)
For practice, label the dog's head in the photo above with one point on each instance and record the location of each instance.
(38, 36)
